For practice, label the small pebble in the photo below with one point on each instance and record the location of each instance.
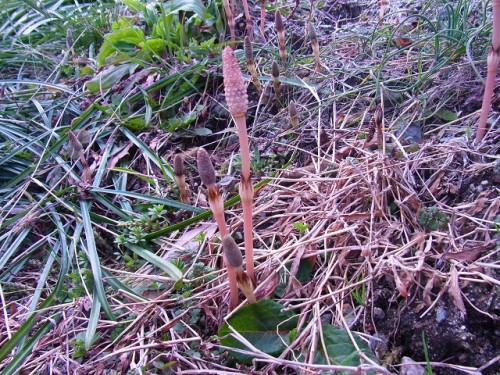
(410, 367)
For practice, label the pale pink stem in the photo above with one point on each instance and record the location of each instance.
(233, 285)
(262, 16)
(230, 19)
(246, 193)
(493, 61)
(237, 102)
(248, 19)
(207, 175)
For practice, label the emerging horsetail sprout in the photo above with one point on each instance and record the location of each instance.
(207, 175)
(493, 61)
(251, 64)
(278, 21)
(275, 72)
(180, 178)
(237, 102)
(314, 44)
(383, 6)
(78, 151)
(371, 132)
(234, 259)
(294, 117)
(230, 20)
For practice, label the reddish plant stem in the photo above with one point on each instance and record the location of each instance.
(235, 260)
(493, 61)
(207, 174)
(246, 193)
(217, 207)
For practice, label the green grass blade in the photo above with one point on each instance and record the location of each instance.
(167, 174)
(93, 320)
(10, 248)
(94, 257)
(116, 284)
(157, 261)
(147, 198)
(15, 363)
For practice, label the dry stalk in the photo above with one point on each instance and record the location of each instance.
(237, 102)
(248, 19)
(493, 61)
(297, 3)
(378, 118)
(230, 20)
(180, 178)
(251, 64)
(207, 175)
(278, 21)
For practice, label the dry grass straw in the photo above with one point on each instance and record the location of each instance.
(363, 230)
(355, 237)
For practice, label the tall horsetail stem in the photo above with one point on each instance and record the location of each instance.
(237, 102)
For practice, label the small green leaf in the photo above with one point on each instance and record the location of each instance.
(263, 324)
(202, 132)
(446, 115)
(339, 348)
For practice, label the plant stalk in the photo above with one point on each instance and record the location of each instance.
(493, 61)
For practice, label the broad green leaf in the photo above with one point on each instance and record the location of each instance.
(135, 5)
(264, 324)
(156, 45)
(195, 6)
(339, 348)
(119, 40)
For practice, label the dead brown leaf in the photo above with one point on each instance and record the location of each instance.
(466, 255)
(454, 291)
